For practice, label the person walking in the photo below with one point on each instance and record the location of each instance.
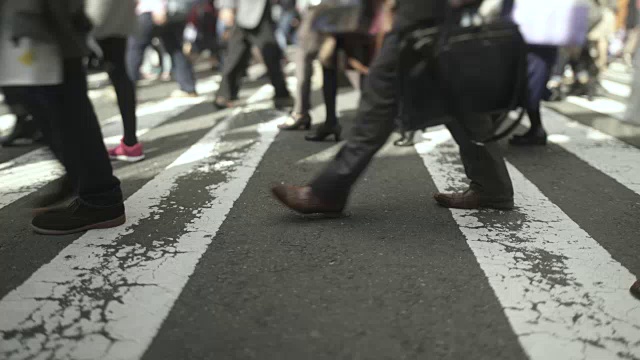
(253, 26)
(42, 45)
(359, 50)
(491, 185)
(113, 22)
(165, 19)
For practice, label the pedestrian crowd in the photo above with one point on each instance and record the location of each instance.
(47, 48)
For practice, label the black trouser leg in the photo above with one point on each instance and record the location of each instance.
(114, 55)
(83, 147)
(236, 61)
(375, 122)
(264, 38)
(483, 165)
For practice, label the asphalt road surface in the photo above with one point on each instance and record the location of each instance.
(209, 266)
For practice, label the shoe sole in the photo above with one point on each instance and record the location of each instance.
(124, 158)
(332, 214)
(102, 225)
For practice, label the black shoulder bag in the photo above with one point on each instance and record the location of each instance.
(451, 71)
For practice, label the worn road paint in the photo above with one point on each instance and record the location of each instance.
(26, 174)
(604, 152)
(564, 295)
(601, 105)
(104, 296)
(616, 88)
(29, 172)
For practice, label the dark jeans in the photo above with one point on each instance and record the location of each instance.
(171, 35)
(71, 126)
(114, 49)
(484, 165)
(239, 54)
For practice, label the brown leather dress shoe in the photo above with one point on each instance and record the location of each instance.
(471, 199)
(635, 289)
(304, 201)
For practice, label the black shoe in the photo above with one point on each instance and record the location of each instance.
(324, 132)
(77, 217)
(283, 103)
(296, 122)
(529, 139)
(23, 129)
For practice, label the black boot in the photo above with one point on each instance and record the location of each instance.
(324, 131)
(530, 138)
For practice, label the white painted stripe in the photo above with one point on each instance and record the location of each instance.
(604, 152)
(62, 312)
(616, 88)
(624, 78)
(563, 294)
(27, 173)
(601, 105)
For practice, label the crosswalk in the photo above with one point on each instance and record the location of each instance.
(208, 266)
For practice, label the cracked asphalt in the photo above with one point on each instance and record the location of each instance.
(211, 267)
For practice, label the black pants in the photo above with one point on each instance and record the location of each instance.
(75, 137)
(239, 55)
(484, 165)
(171, 35)
(114, 50)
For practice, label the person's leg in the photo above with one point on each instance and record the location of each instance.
(83, 144)
(99, 203)
(540, 62)
(284, 28)
(114, 54)
(172, 38)
(484, 164)
(236, 61)
(137, 45)
(330, 92)
(373, 125)
(307, 52)
(264, 38)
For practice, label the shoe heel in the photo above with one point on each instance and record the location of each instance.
(338, 137)
(307, 126)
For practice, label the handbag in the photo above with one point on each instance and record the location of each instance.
(553, 22)
(449, 72)
(342, 16)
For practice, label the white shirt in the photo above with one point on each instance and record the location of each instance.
(29, 63)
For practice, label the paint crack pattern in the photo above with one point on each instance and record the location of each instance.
(79, 312)
(561, 298)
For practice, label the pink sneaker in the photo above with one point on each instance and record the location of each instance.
(126, 153)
